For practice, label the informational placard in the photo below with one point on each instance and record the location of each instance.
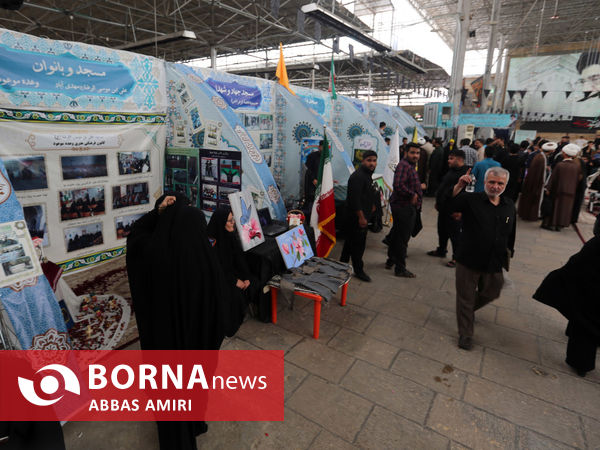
(18, 258)
(246, 219)
(181, 173)
(525, 135)
(220, 176)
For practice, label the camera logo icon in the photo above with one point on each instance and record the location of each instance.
(49, 385)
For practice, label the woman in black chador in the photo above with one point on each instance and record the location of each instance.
(573, 290)
(178, 292)
(231, 256)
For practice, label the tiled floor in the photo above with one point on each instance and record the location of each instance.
(387, 373)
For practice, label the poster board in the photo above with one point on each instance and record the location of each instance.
(294, 247)
(181, 172)
(220, 176)
(246, 218)
(525, 135)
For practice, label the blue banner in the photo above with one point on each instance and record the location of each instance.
(237, 95)
(318, 104)
(65, 73)
(486, 120)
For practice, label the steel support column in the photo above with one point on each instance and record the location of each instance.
(213, 57)
(492, 42)
(497, 77)
(463, 20)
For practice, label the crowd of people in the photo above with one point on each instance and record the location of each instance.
(476, 186)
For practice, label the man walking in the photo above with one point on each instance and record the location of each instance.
(359, 207)
(487, 243)
(470, 152)
(481, 167)
(448, 224)
(562, 187)
(405, 201)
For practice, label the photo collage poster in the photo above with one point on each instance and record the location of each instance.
(181, 173)
(220, 176)
(82, 191)
(260, 128)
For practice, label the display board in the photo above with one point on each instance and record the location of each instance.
(83, 142)
(555, 87)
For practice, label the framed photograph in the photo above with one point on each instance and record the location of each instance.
(131, 163)
(266, 121)
(192, 165)
(251, 122)
(194, 196)
(294, 247)
(80, 203)
(209, 168)
(83, 166)
(127, 195)
(123, 224)
(224, 193)
(246, 219)
(27, 173)
(18, 258)
(35, 218)
(266, 141)
(209, 191)
(180, 176)
(176, 161)
(83, 236)
(209, 206)
(196, 121)
(230, 171)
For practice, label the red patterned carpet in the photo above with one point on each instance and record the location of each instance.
(102, 313)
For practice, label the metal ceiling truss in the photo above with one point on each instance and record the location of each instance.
(561, 21)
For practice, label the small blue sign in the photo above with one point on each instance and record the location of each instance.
(318, 104)
(237, 95)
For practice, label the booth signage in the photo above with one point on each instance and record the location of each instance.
(237, 95)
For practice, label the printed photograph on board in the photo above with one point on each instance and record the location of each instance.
(196, 121)
(230, 171)
(209, 191)
(246, 219)
(176, 161)
(123, 224)
(35, 218)
(133, 162)
(251, 122)
(26, 173)
(83, 236)
(18, 258)
(79, 203)
(83, 166)
(266, 121)
(130, 195)
(266, 141)
(209, 168)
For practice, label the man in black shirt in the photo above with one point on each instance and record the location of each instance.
(487, 243)
(448, 224)
(359, 207)
(312, 172)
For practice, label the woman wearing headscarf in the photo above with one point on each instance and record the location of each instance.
(178, 292)
(243, 285)
(573, 291)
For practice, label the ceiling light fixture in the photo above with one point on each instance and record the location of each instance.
(322, 15)
(164, 39)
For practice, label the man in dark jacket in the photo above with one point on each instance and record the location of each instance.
(312, 172)
(487, 243)
(359, 207)
(448, 224)
(436, 167)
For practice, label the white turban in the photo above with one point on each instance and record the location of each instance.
(421, 141)
(571, 150)
(549, 146)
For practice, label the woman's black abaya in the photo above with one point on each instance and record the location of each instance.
(574, 291)
(177, 289)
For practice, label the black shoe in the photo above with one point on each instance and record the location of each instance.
(363, 276)
(389, 264)
(405, 274)
(465, 342)
(437, 253)
(386, 241)
(547, 227)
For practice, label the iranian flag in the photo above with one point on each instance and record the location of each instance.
(322, 218)
(332, 80)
